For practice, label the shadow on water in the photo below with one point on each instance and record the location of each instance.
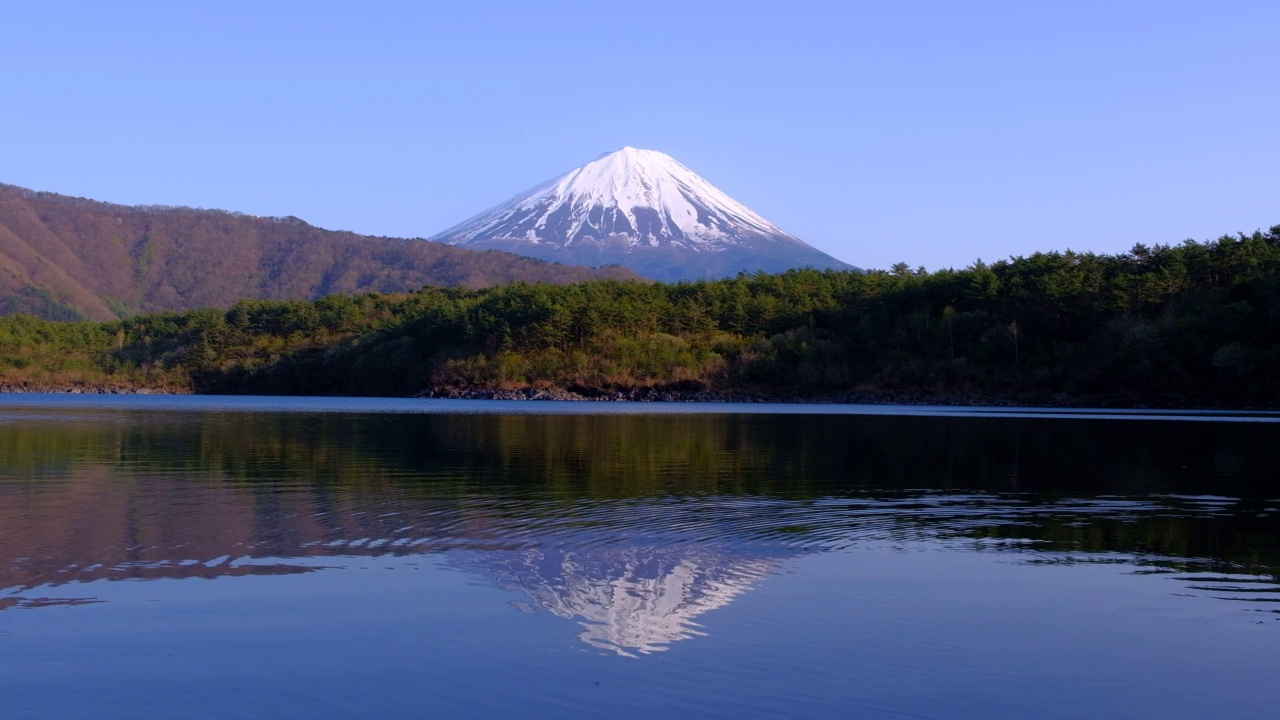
(633, 525)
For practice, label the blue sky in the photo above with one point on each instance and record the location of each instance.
(929, 132)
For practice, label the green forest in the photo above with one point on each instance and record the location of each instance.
(1193, 324)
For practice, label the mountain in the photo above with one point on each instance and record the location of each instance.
(643, 210)
(68, 258)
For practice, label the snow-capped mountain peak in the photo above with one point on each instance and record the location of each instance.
(634, 181)
(629, 207)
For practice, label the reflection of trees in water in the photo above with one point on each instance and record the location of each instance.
(648, 455)
(138, 495)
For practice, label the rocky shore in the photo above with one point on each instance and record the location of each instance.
(689, 395)
(86, 389)
(863, 396)
(702, 395)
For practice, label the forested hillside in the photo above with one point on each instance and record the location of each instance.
(67, 258)
(1191, 324)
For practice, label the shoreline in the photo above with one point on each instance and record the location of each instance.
(670, 395)
(88, 389)
(850, 397)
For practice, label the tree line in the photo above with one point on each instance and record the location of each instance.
(1191, 324)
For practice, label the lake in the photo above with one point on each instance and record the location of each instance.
(224, 557)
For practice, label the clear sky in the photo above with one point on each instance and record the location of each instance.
(929, 132)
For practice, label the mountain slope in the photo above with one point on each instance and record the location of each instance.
(67, 258)
(643, 210)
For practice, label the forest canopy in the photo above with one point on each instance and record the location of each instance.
(1191, 324)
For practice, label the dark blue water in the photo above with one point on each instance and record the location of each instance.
(265, 557)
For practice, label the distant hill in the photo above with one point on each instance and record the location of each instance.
(66, 258)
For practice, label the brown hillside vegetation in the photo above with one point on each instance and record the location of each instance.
(66, 258)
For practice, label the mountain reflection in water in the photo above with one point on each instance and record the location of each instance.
(628, 599)
(633, 526)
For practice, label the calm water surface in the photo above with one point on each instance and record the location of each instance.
(274, 557)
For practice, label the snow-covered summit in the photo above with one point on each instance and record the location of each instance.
(634, 207)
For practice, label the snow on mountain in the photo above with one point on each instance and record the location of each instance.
(641, 209)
